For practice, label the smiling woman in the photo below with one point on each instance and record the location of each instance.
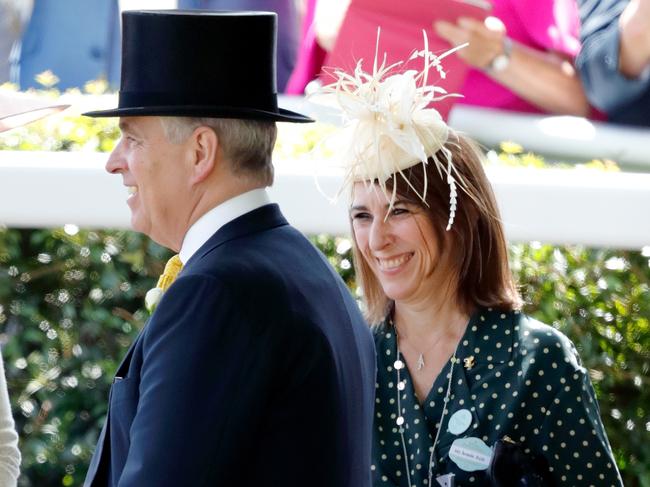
(440, 299)
(467, 264)
(469, 391)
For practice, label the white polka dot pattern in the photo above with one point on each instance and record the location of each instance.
(526, 382)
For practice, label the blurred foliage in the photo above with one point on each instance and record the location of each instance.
(511, 154)
(66, 131)
(63, 133)
(71, 302)
(70, 305)
(599, 299)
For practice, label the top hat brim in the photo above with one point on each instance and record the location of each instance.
(282, 115)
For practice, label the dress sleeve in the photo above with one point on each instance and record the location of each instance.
(573, 438)
(9, 453)
(597, 63)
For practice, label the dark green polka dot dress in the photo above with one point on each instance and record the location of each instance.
(522, 380)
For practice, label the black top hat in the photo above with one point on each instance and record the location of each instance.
(199, 64)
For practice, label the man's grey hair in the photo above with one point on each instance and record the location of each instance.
(246, 144)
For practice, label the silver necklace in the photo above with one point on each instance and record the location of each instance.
(399, 365)
(420, 362)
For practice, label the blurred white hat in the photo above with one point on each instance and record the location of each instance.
(18, 109)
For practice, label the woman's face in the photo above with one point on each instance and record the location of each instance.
(399, 246)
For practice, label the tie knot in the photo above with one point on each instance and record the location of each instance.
(172, 268)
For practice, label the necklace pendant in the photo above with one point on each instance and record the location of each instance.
(420, 363)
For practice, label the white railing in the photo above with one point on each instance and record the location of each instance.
(559, 138)
(558, 206)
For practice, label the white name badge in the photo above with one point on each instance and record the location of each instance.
(470, 454)
(460, 421)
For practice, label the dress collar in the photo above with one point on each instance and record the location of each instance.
(217, 217)
(489, 336)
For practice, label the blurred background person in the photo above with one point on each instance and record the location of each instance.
(521, 58)
(520, 54)
(9, 453)
(13, 17)
(288, 27)
(77, 40)
(614, 62)
(15, 110)
(401, 26)
(311, 54)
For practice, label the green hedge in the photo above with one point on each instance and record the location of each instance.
(71, 301)
(70, 304)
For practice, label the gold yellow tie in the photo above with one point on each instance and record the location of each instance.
(172, 268)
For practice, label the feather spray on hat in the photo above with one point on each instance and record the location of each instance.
(389, 124)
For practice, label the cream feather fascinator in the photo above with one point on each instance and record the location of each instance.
(389, 125)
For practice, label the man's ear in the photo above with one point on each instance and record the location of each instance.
(205, 148)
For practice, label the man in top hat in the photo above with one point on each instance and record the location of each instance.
(255, 367)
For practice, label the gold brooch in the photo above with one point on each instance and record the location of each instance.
(469, 362)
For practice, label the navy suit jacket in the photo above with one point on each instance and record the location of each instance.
(624, 100)
(255, 369)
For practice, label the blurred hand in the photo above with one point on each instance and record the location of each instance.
(485, 38)
(327, 21)
(635, 38)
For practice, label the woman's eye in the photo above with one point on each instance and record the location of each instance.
(361, 216)
(399, 211)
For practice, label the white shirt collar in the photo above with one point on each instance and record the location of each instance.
(217, 217)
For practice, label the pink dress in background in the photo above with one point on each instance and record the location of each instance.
(310, 55)
(545, 25)
(401, 22)
(540, 24)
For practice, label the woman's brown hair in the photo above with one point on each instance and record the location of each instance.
(475, 246)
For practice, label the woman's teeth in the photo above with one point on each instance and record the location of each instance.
(388, 264)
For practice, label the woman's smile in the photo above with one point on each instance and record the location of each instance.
(394, 264)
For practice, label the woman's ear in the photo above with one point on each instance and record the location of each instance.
(204, 150)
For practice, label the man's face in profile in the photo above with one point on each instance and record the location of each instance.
(154, 171)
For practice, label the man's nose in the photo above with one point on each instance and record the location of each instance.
(116, 163)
